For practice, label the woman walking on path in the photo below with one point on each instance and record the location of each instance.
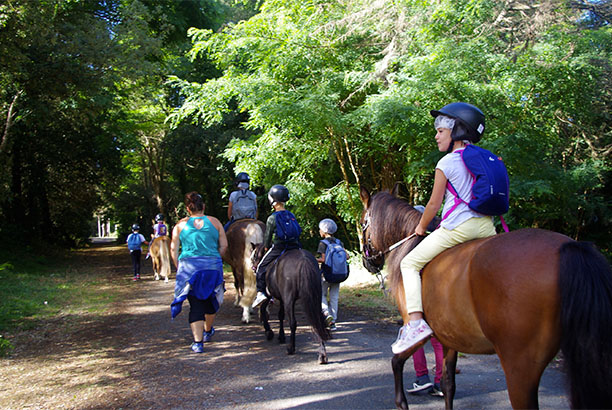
(199, 276)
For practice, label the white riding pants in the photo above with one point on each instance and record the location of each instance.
(436, 242)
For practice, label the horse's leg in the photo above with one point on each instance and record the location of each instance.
(292, 325)
(263, 313)
(281, 323)
(448, 376)
(246, 314)
(397, 363)
(322, 352)
(237, 287)
(156, 267)
(523, 372)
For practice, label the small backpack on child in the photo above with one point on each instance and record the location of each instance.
(133, 241)
(162, 230)
(490, 189)
(335, 269)
(244, 206)
(287, 227)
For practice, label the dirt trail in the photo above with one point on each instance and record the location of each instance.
(135, 357)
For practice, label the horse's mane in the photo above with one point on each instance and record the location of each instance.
(393, 219)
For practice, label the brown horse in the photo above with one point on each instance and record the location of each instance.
(242, 236)
(160, 255)
(522, 295)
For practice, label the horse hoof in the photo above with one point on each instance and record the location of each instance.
(269, 334)
(281, 340)
(323, 359)
(156, 277)
(166, 280)
(290, 350)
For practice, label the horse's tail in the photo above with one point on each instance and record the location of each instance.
(164, 257)
(311, 293)
(253, 235)
(585, 281)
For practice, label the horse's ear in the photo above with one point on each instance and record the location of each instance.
(364, 194)
(396, 189)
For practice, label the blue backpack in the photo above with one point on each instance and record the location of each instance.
(161, 229)
(490, 190)
(133, 241)
(287, 227)
(335, 269)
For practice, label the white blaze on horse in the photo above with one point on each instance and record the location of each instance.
(160, 255)
(242, 236)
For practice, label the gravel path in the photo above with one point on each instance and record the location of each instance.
(135, 357)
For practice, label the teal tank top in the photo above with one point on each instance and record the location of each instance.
(199, 242)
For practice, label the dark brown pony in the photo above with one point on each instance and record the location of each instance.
(242, 236)
(160, 255)
(522, 295)
(294, 276)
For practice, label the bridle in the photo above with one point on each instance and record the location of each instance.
(374, 259)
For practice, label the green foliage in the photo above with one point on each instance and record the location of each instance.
(121, 107)
(339, 95)
(5, 347)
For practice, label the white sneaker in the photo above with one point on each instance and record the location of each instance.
(409, 336)
(259, 299)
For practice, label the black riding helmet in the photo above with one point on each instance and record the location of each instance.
(135, 227)
(278, 193)
(159, 218)
(471, 120)
(242, 177)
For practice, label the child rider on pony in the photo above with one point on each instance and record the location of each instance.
(457, 125)
(159, 229)
(274, 246)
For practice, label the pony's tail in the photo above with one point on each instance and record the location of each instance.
(164, 256)
(254, 235)
(585, 281)
(311, 294)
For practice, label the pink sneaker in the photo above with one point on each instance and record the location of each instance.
(409, 336)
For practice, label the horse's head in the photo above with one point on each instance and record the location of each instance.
(386, 222)
(257, 255)
(372, 259)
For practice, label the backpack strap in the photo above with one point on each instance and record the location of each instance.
(458, 199)
(504, 225)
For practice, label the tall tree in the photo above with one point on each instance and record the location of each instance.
(56, 56)
(340, 93)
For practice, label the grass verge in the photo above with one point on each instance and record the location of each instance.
(368, 301)
(35, 288)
